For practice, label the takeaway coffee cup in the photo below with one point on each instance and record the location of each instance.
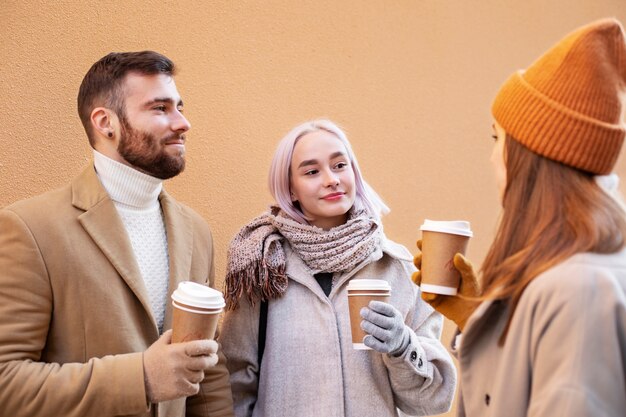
(360, 293)
(196, 311)
(441, 240)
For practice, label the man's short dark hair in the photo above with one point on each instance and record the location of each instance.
(102, 85)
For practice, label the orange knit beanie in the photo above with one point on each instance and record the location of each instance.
(568, 105)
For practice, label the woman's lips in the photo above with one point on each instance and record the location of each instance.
(333, 196)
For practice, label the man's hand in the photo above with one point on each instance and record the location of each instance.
(174, 370)
(385, 327)
(455, 307)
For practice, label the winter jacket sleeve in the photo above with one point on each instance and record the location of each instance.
(578, 342)
(423, 378)
(239, 340)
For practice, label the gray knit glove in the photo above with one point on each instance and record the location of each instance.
(385, 327)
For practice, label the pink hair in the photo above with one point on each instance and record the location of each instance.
(280, 175)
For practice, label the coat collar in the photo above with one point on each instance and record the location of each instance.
(103, 224)
(487, 314)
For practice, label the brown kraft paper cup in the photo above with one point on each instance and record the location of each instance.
(193, 323)
(357, 299)
(439, 275)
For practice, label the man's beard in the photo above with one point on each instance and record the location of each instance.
(145, 152)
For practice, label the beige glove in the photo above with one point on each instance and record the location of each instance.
(174, 370)
(454, 307)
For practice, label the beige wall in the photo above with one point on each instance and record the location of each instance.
(410, 81)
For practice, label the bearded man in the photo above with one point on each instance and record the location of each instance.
(86, 271)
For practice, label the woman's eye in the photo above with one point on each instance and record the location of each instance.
(341, 165)
(495, 137)
(311, 172)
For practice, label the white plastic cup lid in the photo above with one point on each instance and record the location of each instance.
(455, 227)
(368, 284)
(198, 295)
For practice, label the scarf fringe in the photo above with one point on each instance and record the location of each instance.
(258, 282)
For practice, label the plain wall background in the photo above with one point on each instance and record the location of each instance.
(411, 82)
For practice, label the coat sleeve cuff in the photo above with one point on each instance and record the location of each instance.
(412, 361)
(126, 378)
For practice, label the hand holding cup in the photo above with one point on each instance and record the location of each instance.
(174, 365)
(385, 328)
(175, 370)
(456, 307)
(360, 293)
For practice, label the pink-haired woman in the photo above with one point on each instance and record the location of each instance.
(296, 357)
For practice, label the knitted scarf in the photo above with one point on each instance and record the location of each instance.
(256, 259)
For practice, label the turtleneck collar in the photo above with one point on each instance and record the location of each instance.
(126, 185)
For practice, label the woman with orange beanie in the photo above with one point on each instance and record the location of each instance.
(546, 335)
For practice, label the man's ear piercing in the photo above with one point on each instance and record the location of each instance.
(110, 134)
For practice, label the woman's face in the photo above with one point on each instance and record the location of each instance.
(322, 179)
(497, 158)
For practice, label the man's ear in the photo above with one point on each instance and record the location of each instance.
(104, 122)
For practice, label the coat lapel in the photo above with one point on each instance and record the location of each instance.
(103, 224)
(179, 229)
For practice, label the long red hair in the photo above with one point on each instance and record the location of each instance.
(551, 212)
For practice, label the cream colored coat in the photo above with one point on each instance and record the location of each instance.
(309, 367)
(565, 354)
(74, 312)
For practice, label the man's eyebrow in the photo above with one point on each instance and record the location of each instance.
(167, 100)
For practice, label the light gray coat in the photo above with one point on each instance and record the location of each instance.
(310, 368)
(565, 354)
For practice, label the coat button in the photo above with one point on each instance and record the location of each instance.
(487, 399)
(413, 356)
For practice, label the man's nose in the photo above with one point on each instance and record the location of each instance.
(180, 122)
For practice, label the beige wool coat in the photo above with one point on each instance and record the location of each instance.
(74, 312)
(565, 353)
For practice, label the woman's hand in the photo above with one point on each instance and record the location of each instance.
(385, 327)
(455, 307)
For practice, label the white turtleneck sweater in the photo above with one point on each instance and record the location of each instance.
(135, 196)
